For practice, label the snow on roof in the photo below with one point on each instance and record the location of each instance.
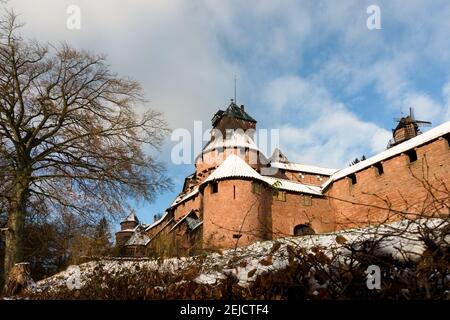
(235, 167)
(303, 168)
(130, 230)
(182, 197)
(138, 239)
(389, 153)
(238, 139)
(154, 224)
(132, 217)
(293, 186)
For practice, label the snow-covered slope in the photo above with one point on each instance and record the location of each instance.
(401, 240)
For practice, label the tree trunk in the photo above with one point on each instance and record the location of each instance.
(19, 279)
(16, 223)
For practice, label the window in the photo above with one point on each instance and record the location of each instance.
(319, 178)
(412, 155)
(256, 187)
(303, 230)
(379, 168)
(301, 175)
(279, 195)
(234, 192)
(214, 187)
(352, 178)
(307, 200)
(237, 235)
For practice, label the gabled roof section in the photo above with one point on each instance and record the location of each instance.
(233, 111)
(303, 168)
(233, 167)
(412, 143)
(278, 156)
(139, 238)
(191, 219)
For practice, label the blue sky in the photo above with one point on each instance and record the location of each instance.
(309, 68)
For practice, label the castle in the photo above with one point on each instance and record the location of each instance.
(237, 195)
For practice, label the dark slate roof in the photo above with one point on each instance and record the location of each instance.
(234, 111)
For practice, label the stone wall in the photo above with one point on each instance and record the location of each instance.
(234, 214)
(403, 186)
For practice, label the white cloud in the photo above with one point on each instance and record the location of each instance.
(187, 53)
(331, 135)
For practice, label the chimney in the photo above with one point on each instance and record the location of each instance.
(242, 108)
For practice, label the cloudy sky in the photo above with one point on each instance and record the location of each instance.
(309, 68)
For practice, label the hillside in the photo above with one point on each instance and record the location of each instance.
(413, 258)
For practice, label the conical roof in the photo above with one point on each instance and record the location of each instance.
(233, 167)
(238, 139)
(132, 217)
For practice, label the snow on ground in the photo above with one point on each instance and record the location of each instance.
(400, 239)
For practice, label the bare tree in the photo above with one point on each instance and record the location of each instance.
(70, 138)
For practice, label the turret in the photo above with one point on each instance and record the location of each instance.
(127, 228)
(233, 117)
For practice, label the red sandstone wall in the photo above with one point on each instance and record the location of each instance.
(397, 188)
(214, 158)
(227, 123)
(287, 214)
(185, 207)
(225, 211)
(122, 237)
